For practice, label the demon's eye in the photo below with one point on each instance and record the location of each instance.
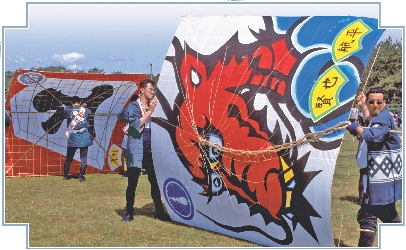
(195, 77)
(216, 183)
(213, 151)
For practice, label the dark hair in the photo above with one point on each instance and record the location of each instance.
(134, 98)
(75, 99)
(377, 90)
(144, 83)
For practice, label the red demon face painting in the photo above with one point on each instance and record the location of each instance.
(232, 106)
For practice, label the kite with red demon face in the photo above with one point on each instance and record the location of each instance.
(227, 103)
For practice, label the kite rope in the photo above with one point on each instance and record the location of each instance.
(372, 66)
(38, 83)
(307, 138)
(348, 171)
(32, 146)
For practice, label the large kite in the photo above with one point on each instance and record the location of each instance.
(247, 133)
(250, 122)
(36, 143)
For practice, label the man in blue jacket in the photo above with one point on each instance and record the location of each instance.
(78, 136)
(383, 178)
(138, 153)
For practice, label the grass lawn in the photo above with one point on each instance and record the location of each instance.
(88, 214)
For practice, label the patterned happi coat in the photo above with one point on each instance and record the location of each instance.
(384, 177)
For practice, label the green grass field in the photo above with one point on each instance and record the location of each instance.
(88, 214)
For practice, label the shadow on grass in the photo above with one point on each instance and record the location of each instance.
(147, 210)
(353, 199)
(73, 176)
(340, 243)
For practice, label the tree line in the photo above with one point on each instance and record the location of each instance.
(384, 69)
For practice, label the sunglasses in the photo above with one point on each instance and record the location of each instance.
(379, 102)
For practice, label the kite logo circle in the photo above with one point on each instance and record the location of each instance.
(217, 183)
(178, 198)
(31, 78)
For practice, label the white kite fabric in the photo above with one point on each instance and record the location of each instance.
(233, 89)
(36, 143)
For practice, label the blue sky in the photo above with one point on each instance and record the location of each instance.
(128, 37)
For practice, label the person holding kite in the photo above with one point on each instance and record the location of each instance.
(78, 136)
(381, 155)
(138, 153)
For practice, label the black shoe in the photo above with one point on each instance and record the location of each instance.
(163, 217)
(65, 178)
(80, 179)
(127, 218)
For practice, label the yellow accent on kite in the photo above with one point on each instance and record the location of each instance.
(114, 157)
(288, 198)
(213, 165)
(349, 40)
(288, 173)
(324, 94)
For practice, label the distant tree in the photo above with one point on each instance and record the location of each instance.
(155, 78)
(8, 79)
(384, 69)
(117, 72)
(95, 70)
(52, 69)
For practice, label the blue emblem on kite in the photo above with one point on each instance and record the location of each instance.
(31, 78)
(178, 198)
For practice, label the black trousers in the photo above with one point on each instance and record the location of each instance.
(69, 158)
(367, 219)
(368, 215)
(133, 175)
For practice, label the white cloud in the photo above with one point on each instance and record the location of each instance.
(18, 59)
(68, 58)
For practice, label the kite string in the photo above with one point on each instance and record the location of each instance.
(372, 66)
(223, 121)
(235, 96)
(32, 146)
(348, 169)
(307, 138)
(347, 184)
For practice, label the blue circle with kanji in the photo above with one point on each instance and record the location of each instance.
(31, 78)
